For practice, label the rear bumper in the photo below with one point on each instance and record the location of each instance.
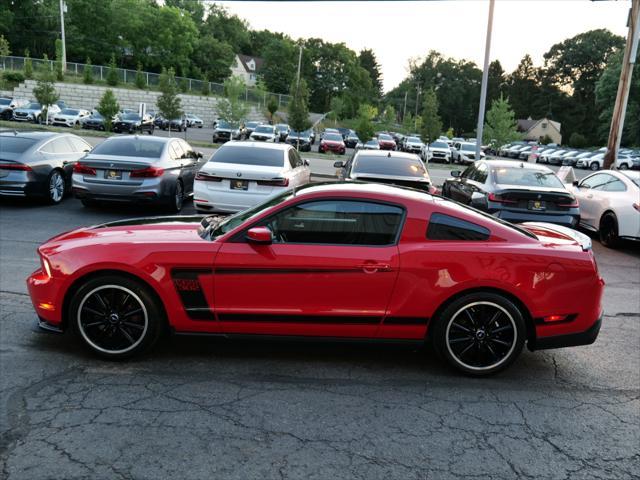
(568, 340)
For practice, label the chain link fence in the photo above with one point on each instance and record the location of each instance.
(152, 80)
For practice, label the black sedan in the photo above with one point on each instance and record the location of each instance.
(38, 164)
(302, 140)
(516, 192)
(351, 139)
(95, 121)
(132, 122)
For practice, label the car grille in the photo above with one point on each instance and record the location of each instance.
(21, 114)
(439, 154)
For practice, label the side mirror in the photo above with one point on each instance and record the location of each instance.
(576, 183)
(305, 162)
(338, 164)
(259, 235)
(477, 198)
(455, 173)
(199, 154)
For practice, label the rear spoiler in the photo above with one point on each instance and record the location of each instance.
(581, 238)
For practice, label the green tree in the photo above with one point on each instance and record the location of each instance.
(112, 74)
(496, 81)
(168, 102)
(369, 62)
(299, 106)
(577, 140)
(500, 126)
(431, 123)
(205, 90)
(59, 66)
(272, 106)
(140, 79)
(364, 126)
(337, 107)
(108, 108)
(5, 51)
(87, 73)
(546, 140)
(45, 93)
(280, 64)
(232, 108)
(389, 115)
(28, 65)
(214, 57)
(522, 87)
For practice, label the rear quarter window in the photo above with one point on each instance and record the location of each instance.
(447, 227)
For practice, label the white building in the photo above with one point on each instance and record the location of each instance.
(247, 68)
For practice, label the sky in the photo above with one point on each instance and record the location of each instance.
(398, 31)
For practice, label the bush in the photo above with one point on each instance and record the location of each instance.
(141, 79)
(112, 74)
(205, 87)
(546, 140)
(577, 140)
(13, 77)
(28, 65)
(184, 85)
(87, 74)
(59, 66)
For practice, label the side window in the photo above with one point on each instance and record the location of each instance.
(469, 172)
(292, 158)
(446, 227)
(58, 145)
(175, 150)
(480, 174)
(79, 145)
(597, 181)
(456, 146)
(615, 185)
(187, 149)
(337, 222)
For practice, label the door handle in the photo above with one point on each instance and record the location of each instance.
(374, 267)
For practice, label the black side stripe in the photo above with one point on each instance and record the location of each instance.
(186, 283)
(406, 321)
(282, 271)
(317, 319)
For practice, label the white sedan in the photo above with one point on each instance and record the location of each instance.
(610, 205)
(265, 133)
(240, 175)
(69, 117)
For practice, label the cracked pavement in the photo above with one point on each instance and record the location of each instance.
(199, 408)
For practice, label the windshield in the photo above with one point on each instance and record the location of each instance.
(249, 155)
(384, 136)
(130, 147)
(229, 223)
(33, 106)
(372, 142)
(527, 177)
(281, 128)
(468, 147)
(440, 145)
(70, 111)
(402, 167)
(5, 101)
(333, 137)
(264, 129)
(131, 116)
(634, 177)
(96, 115)
(252, 124)
(413, 140)
(225, 124)
(11, 144)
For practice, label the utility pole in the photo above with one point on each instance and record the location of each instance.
(415, 117)
(485, 80)
(299, 67)
(620, 107)
(404, 111)
(63, 8)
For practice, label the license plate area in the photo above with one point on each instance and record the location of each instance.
(113, 175)
(537, 205)
(239, 185)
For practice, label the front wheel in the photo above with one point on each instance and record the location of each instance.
(594, 166)
(479, 334)
(624, 166)
(116, 317)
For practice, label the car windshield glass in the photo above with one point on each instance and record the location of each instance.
(281, 128)
(402, 167)
(5, 101)
(130, 147)
(468, 147)
(233, 221)
(33, 106)
(96, 115)
(372, 142)
(225, 124)
(384, 136)
(249, 155)
(252, 124)
(11, 144)
(413, 140)
(527, 177)
(264, 129)
(440, 145)
(131, 116)
(333, 137)
(69, 111)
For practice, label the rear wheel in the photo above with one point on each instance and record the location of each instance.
(624, 166)
(480, 333)
(116, 317)
(56, 187)
(609, 231)
(177, 199)
(594, 166)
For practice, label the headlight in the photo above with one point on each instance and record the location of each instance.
(46, 266)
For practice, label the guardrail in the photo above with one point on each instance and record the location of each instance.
(186, 85)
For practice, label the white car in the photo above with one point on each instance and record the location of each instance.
(596, 162)
(413, 145)
(465, 152)
(438, 151)
(265, 133)
(240, 175)
(69, 117)
(610, 205)
(193, 121)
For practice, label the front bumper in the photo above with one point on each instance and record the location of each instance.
(568, 340)
(46, 295)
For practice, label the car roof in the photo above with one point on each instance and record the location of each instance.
(387, 153)
(514, 164)
(248, 143)
(131, 138)
(33, 135)
(346, 188)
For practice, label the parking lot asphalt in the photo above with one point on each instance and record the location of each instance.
(199, 408)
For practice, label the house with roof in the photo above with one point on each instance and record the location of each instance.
(536, 130)
(247, 68)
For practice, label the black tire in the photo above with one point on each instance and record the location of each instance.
(115, 332)
(594, 166)
(479, 334)
(177, 198)
(624, 166)
(150, 131)
(56, 187)
(608, 231)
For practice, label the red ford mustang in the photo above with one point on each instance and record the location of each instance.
(355, 260)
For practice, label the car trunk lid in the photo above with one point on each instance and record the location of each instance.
(535, 198)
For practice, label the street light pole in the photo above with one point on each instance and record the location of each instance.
(485, 80)
(415, 118)
(620, 107)
(299, 67)
(404, 110)
(63, 7)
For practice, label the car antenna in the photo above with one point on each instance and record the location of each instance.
(521, 165)
(389, 155)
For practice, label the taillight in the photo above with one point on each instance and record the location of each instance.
(573, 203)
(497, 198)
(149, 172)
(15, 166)
(83, 169)
(204, 177)
(276, 182)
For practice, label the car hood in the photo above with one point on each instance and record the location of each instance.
(440, 149)
(27, 110)
(154, 230)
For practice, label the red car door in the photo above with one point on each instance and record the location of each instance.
(330, 271)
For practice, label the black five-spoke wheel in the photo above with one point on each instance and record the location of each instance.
(116, 317)
(480, 333)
